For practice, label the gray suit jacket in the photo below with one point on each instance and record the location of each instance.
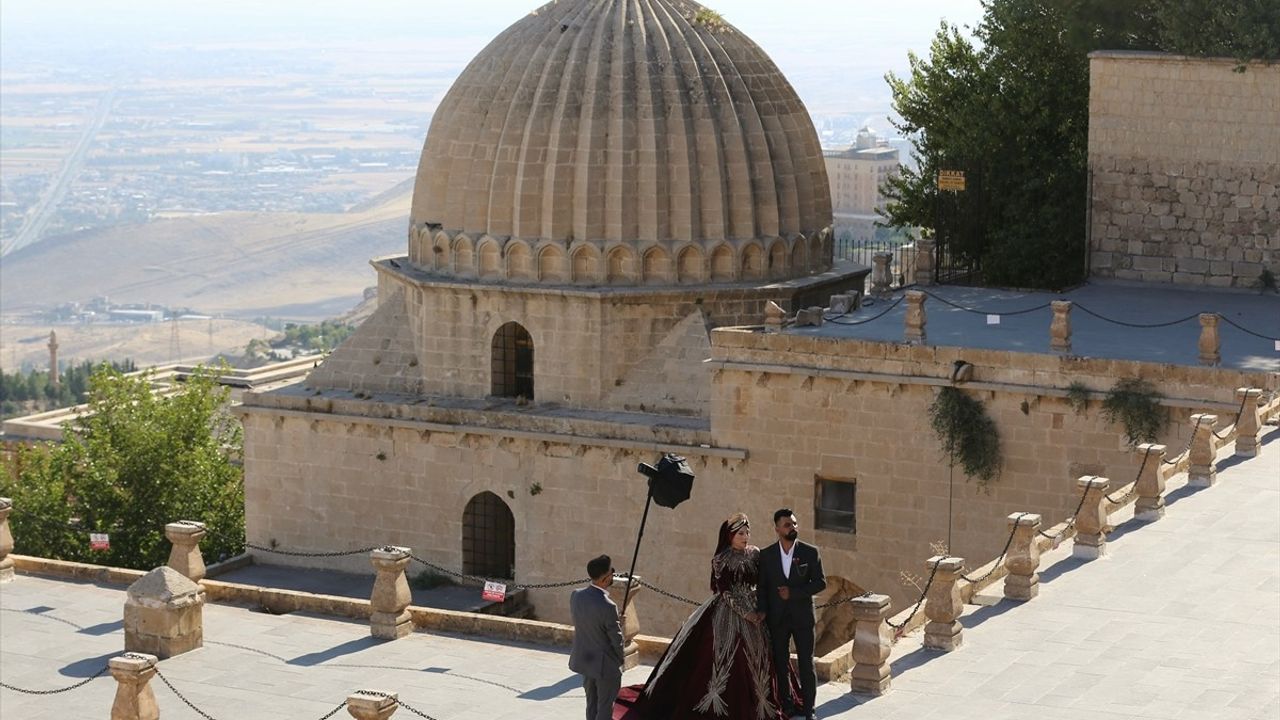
(597, 635)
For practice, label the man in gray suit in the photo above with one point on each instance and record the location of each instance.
(597, 640)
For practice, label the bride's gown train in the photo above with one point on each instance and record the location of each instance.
(718, 666)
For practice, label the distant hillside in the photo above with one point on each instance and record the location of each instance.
(297, 266)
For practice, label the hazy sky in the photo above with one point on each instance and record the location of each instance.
(811, 40)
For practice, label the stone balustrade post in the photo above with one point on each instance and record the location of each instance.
(390, 619)
(1247, 429)
(880, 276)
(135, 700)
(6, 541)
(916, 319)
(943, 605)
(1022, 564)
(924, 261)
(872, 643)
(372, 704)
(185, 555)
(630, 621)
(1204, 452)
(774, 317)
(1060, 328)
(1149, 507)
(1210, 342)
(1091, 522)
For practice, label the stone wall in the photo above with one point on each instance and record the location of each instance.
(837, 409)
(1185, 156)
(593, 348)
(333, 472)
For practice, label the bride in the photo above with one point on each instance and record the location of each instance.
(719, 664)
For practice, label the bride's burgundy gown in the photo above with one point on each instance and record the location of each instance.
(718, 666)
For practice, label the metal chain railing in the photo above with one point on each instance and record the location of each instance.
(1007, 544)
(923, 594)
(1187, 449)
(841, 601)
(56, 691)
(169, 685)
(1123, 323)
(977, 311)
(1070, 523)
(288, 553)
(665, 593)
(399, 702)
(1246, 330)
(836, 321)
(1133, 489)
(482, 580)
(1234, 423)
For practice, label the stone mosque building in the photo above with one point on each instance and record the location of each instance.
(607, 190)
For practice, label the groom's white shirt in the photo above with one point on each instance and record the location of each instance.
(786, 559)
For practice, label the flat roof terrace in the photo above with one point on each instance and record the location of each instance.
(1150, 323)
(1181, 620)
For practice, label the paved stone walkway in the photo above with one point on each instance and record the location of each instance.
(1181, 621)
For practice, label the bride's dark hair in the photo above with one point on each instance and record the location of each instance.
(729, 528)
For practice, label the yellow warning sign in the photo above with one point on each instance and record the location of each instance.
(952, 180)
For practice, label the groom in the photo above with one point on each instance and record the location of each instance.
(790, 575)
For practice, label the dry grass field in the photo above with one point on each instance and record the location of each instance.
(146, 344)
(243, 265)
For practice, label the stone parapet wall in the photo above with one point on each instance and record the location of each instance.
(1185, 161)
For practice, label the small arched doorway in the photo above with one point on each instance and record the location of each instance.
(512, 362)
(488, 537)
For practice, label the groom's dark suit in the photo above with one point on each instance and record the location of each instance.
(792, 618)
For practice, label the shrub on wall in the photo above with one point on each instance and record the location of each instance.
(1135, 404)
(968, 435)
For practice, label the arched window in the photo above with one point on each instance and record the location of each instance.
(488, 537)
(512, 363)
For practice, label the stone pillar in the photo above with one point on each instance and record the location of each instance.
(1149, 507)
(6, 541)
(372, 704)
(915, 323)
(163, 614)
(880, 278)
(134, 698)
(1210, 342)
(872, 643)
(55, 378)
(1091, 522)
(924, 261)
(390, 598)
(631, 621)
(1247, 427)
(185, 555)
(943, 605)
(1022, 581)
(774, 316)
(1203, 456)
(1060, 328)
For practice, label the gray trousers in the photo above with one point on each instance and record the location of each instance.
(601, 692)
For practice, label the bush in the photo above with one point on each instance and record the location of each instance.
(967, 433)
(1135, 404)
(136, 461)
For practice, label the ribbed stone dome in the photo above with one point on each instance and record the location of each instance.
(621, 141)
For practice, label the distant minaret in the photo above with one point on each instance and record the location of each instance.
(53, 358)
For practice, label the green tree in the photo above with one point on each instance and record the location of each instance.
(1241, 29)
(1011, 109)
(135, 461)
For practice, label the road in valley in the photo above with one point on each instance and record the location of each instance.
(34, 226)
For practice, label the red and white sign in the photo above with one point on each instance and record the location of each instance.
(99, 541)
(494, 592)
